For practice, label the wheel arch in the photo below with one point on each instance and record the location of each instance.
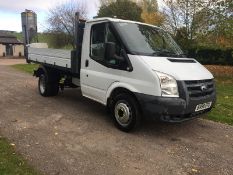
(118, 88)
(50, 73)
(41, 69)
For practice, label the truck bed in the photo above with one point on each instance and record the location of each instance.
(55, 57)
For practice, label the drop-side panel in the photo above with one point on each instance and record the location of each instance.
(57, 57)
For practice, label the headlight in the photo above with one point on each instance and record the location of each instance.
(168, 85)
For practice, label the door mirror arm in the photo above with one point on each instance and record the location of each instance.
(119, 58)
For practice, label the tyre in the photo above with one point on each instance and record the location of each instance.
(47, 88)
(126, 112)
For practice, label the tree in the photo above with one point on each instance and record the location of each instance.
(221, 21)
(204, 22)
(61, 18)
(187, 20)
(150, 12)
(124, 9)
(182, 14)
(106, 2)
(182, 40)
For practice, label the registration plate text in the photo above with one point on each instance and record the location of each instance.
(203, 106)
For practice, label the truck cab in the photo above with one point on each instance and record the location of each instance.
(136, 70)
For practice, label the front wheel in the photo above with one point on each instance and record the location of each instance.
(126, 112)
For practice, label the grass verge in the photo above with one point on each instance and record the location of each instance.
(26, 67)
(12, 163)
(223, 110)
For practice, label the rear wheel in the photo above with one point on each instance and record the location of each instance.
(126, 112)
(42, 84)
(47, 88)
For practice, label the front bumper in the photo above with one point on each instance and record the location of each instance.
(173, 109)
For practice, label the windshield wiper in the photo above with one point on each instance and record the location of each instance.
(164, 53)
(183, 55)
(167, 53)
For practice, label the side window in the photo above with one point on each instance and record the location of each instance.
(100, 34)
(97, 41)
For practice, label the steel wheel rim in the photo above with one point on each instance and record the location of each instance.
(123, 114)
(42, 84)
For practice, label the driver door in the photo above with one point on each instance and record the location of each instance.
(98, 73)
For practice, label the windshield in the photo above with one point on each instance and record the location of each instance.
(147, 40)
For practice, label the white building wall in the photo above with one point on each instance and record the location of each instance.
(17, 49)
(2, 50)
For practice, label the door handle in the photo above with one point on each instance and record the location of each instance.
(86, 63)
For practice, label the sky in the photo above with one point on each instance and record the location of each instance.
(10, 12)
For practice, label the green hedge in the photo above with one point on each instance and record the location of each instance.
(212, 56)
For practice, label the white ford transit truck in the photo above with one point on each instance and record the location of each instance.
(136, 70)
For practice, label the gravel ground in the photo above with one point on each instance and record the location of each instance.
(11, 61)
(70, 134)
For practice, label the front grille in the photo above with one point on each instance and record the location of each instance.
(200, 88)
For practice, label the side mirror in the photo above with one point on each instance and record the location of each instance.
(110, 50)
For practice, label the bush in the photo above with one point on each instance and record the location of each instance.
(123, 9)
(212, 56)
(56, 40)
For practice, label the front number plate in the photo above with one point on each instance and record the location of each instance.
(203, 106)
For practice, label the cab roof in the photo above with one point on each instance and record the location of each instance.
(104, 19)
